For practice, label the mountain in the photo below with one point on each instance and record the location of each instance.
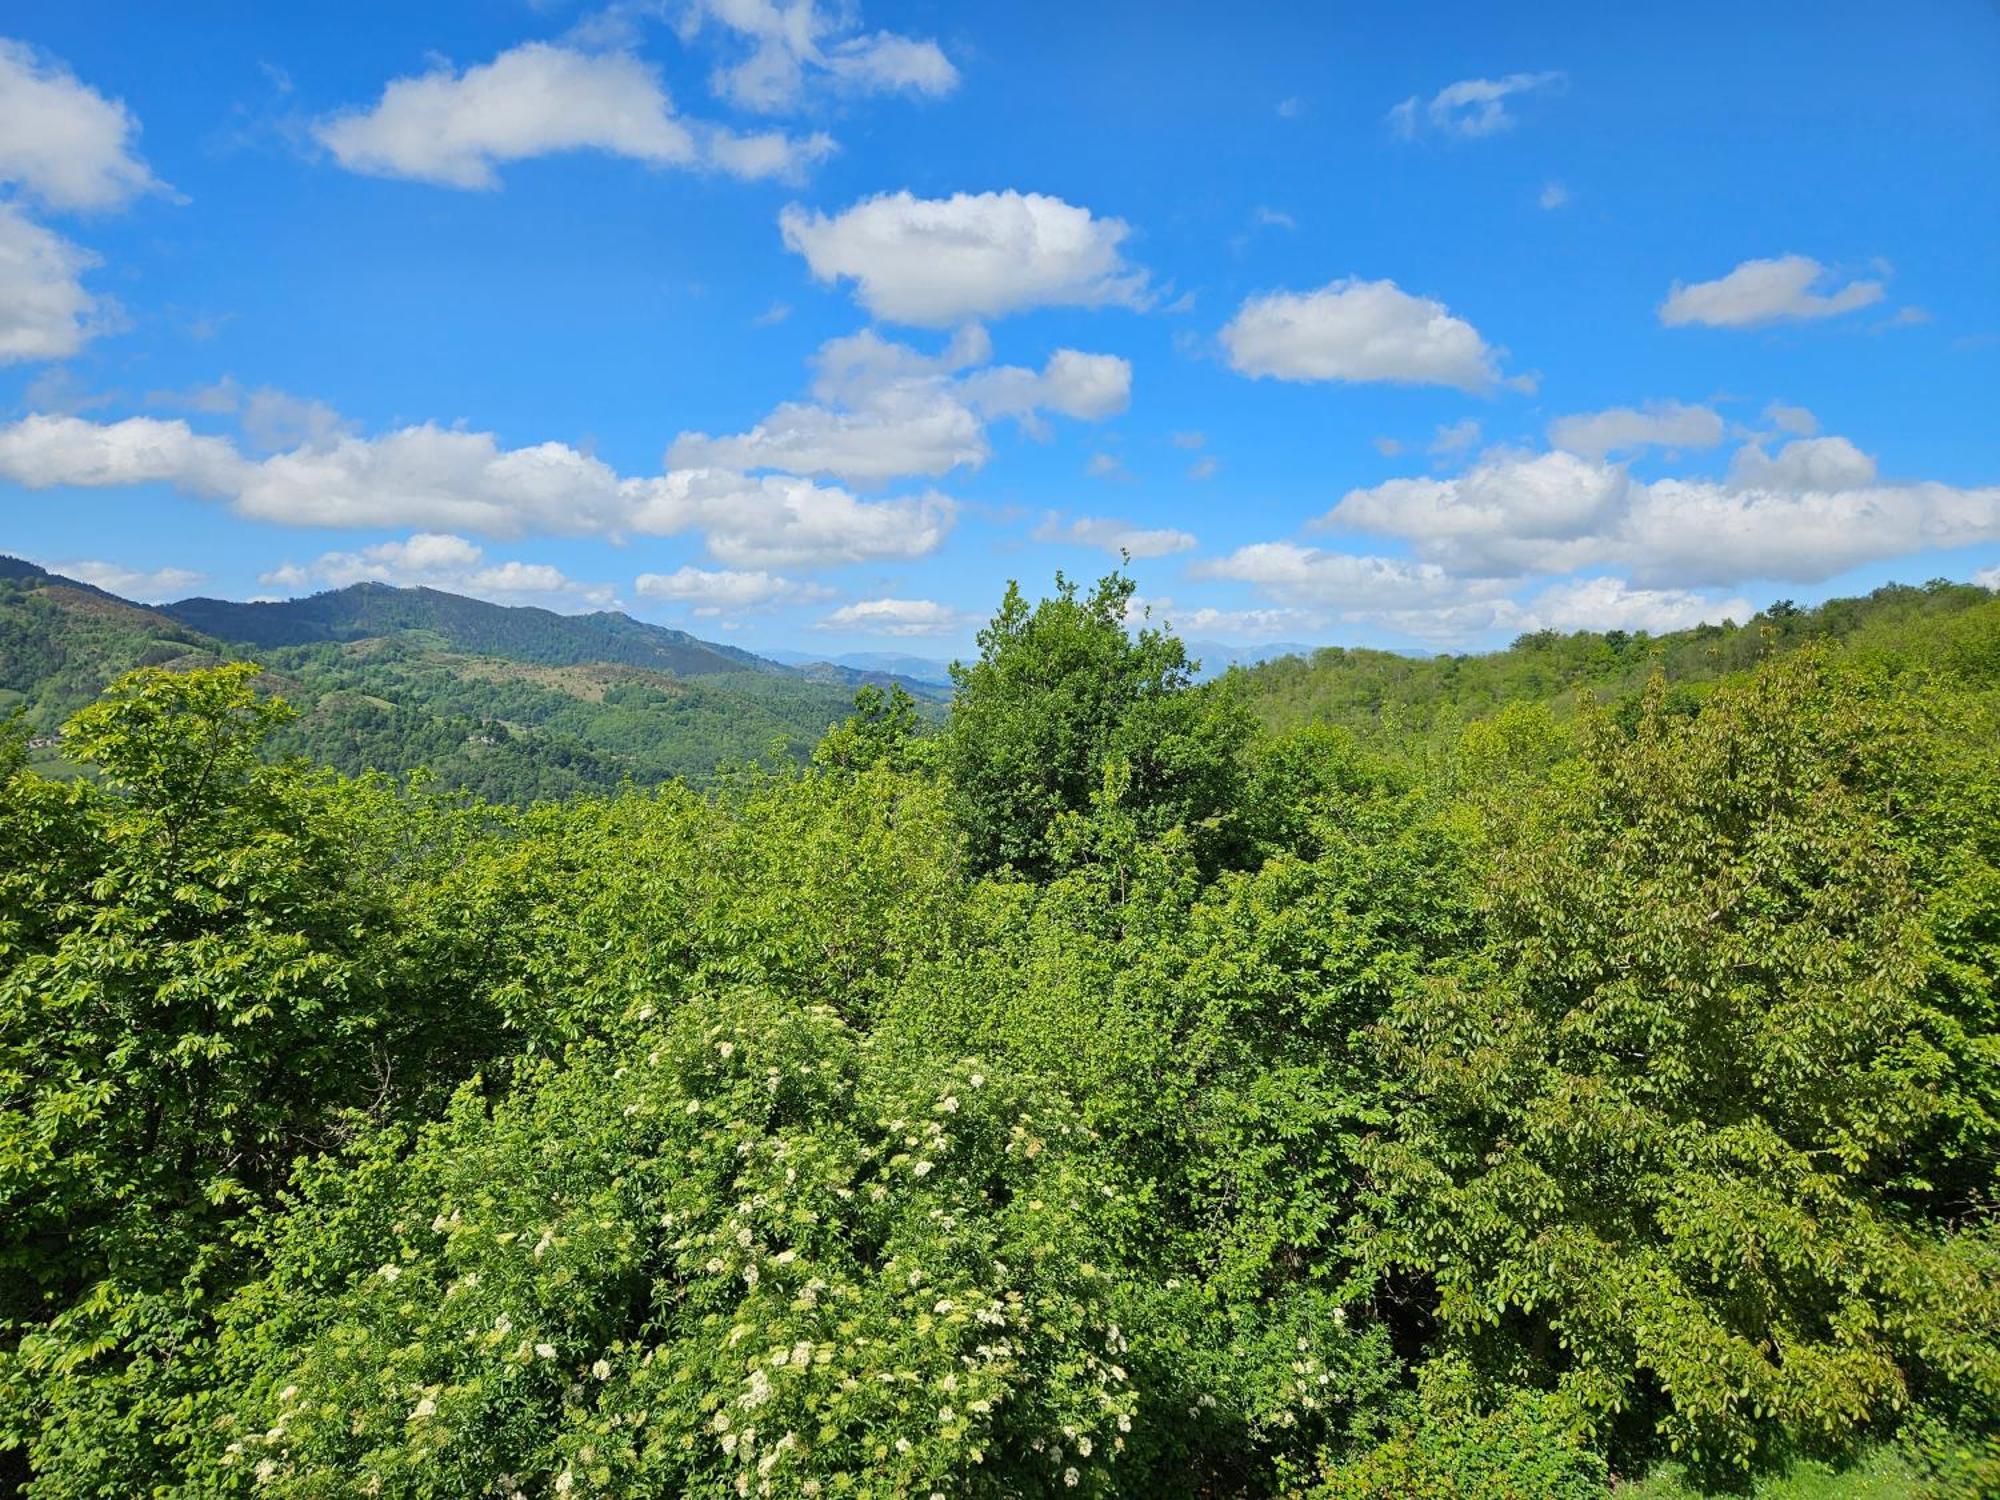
(363, 611)
(927, 670)
(513, 704)
(1216, 657)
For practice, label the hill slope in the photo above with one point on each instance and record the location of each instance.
(1383, 697)
(507, 703)
(363, 611)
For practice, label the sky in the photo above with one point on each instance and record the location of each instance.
(809, 325)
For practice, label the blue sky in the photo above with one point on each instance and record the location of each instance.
(807, 325)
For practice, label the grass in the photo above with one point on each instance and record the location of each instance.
(1880, 1474)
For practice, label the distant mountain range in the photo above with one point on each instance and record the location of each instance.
(925, 669)
(513, 703)
(1215, 658)
(363, 611)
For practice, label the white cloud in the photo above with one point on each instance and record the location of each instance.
(1765, 291)
(1204, 468)
(1661, 424)
(1358, 331)
(790, 42)
(1809, 512)
(445, 479)
(270, 419)
(148, 587)
(1234, 624)
(1470, 108)
(936, 262)
(1313, 577)
(1821, 463)
(62, 141)
(1424, 601)
(42, 451)
(1988, 578)
(886, 62)
(712, 592)
(898, 617)
(1613, 604)
(46, 312)
(1553, 195)
(1456, 437)
(883, 409)
(456, 129)
(1113, 535)
(442, 561)
(1505, 516)
(1793, 419)
(1188, 440)
(1106, 466)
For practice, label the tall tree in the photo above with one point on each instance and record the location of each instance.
(1067, 705)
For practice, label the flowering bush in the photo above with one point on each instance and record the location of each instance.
(752, 1252)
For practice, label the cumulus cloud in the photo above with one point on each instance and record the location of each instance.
(1470, 108)
(1660, 424)
(936, 262)
(1426, 602)
(1988, 578)
(457, 128)
(1113, 535)
(1315, 577)
(1793, 419)
(1355, 330)
(1613, 604)
(147, 586)
(789, 43)
(1813, 509)
(882, 409)
(270, 419)
(442, 561)
(1455, 437)
(1824, 463)
(46, 312)
(1553, 196)
(449, 480)
(61, 141)
(1234, 624)
(711, 592)
(1760, 292)
(899, 617)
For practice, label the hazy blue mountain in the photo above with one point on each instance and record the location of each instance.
(926, 669)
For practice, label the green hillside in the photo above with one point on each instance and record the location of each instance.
(507, 704)
(1383, 697)
(364, 611)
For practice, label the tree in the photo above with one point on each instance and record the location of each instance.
(882, 730)
(1684, 1139)
(198, 977)
(1062, 694)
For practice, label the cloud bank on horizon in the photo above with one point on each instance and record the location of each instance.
(737, 314)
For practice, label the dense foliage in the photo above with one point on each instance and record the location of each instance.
(1089, 1095)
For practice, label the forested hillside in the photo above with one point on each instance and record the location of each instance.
(1385, 697)
(509, 704)
(1100, 1093)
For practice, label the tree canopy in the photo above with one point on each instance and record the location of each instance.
(1096, 1094)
